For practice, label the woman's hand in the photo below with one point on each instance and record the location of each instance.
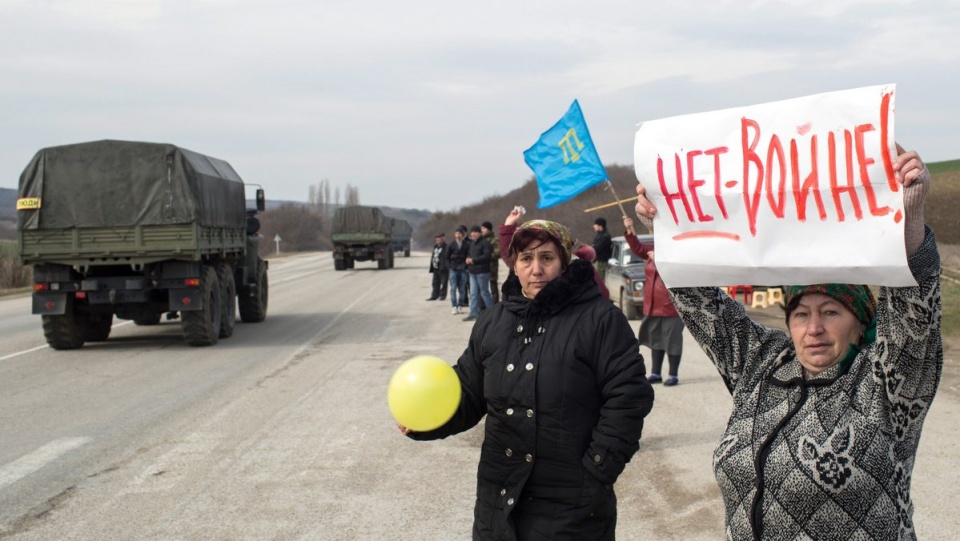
(628, 223)
(403, 430)
(644, 209)
(514, 216)
(913, 175)
(908, 166)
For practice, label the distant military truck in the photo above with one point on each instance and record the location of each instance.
(361, 233)
(400, 233)
(136, 230)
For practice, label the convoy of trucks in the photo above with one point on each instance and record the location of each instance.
(137, 230)
(400, 234)
(362, 233)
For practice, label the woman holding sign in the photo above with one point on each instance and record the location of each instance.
(556, 371)
(826, 418)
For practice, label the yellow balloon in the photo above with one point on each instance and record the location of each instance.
(423, 393)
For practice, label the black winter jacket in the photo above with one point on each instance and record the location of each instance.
(603, 245)
(457, 255)
(562, 383)
(480, 253)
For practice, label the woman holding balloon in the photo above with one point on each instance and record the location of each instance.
(556, 370)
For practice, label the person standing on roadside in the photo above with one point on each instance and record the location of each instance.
(602, 245)
(661, 329)
(457, 265)
(439, 269)
(555, 374)
(486, 229)
(478, 267)
(827, 415)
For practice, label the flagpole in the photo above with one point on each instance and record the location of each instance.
(619, 204)
(608, 205)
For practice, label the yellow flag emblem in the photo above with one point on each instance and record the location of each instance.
(28, 203)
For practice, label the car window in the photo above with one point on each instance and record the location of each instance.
(630, 258)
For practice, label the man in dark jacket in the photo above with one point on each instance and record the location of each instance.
(439, 269)
(602, 245)
(457, 265)
(478, 267)
(558, 375)
(486, 229)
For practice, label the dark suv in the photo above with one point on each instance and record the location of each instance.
(624, 277)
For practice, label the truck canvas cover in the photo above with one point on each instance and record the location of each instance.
(124, 183)
(359, 219)
(400, 228)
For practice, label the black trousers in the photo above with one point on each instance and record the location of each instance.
(441, 278)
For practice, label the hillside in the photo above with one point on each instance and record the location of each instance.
(941, 207)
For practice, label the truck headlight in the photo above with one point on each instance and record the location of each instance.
(638, 286)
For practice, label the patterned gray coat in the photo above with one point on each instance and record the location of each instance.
(830, 457)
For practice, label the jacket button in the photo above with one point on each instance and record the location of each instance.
(503, 492)
(509, 452)
(529, 366)
(510, 367)
(519, 328)
(509, 411)
(529, 413)
(528, 458)
(597, 458)
(510, 501)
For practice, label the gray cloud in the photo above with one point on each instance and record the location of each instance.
(430, 104)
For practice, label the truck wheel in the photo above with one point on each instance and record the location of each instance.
(339, 264)
(202, 327)
(253, 309)
(626, 306)
(97, 327)
(348, 262)
(63, 332)
(406, 251)
(228, 294)
(393, 257)
(145, 320)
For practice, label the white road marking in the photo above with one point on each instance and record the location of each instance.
(31, 462)
(24, 352)
(38, 348)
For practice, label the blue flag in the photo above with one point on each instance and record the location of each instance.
(564, 160)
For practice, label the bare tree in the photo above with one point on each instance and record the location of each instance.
(326, 197)
(353, 195)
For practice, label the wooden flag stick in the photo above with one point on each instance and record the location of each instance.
(619, 203)
(608, 205)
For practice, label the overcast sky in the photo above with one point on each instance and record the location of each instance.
(430, 104)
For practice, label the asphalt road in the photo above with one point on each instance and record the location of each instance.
(282, 431)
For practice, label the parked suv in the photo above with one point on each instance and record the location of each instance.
(624, 277)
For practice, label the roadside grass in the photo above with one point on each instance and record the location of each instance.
(13, 275)
(950, 302)
(943, 167)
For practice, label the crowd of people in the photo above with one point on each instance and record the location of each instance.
(826, 417)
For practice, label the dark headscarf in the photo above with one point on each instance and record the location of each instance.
(857, 298)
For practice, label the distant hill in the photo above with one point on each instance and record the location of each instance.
(941, 207)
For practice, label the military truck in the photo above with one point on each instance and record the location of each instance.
(361, 233)
(400, 233)
(136, 230)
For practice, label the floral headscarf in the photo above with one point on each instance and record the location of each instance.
(559, 233)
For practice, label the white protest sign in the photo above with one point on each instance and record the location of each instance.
(793, 192)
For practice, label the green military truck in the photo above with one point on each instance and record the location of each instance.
(361, 233)
(136, 230)
(400, 233)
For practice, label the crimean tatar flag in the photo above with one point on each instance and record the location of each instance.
(564, 160)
